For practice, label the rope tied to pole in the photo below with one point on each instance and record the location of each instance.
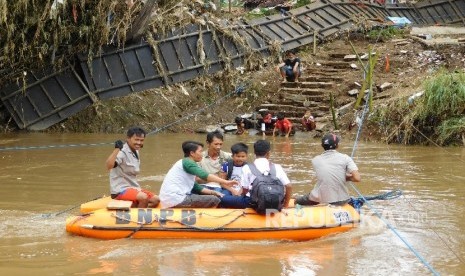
(362, 199)
(357, 202)
(48, 215)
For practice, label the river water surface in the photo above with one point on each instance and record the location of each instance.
(38, 184)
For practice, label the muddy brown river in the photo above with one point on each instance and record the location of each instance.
(37, 184)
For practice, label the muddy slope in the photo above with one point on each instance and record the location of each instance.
(404, 62)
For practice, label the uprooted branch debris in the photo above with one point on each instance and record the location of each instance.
(43, 33)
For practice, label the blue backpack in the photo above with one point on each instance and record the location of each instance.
(267, 190)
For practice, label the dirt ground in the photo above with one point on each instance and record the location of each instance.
(192, 106)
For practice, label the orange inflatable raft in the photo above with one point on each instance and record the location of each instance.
(100, 220)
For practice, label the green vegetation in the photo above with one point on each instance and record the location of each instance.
(443, 106)
(301, 3)
(384, 34)
(234, 3)
(450, 130)
(444, 96)
(437, 116)
(368, 81)
(263, 12)
(38, 33)
(268, 12)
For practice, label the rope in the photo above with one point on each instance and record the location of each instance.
(54, 146)
(386, 196)
(417, 254)
(437, 234)
(410, 203)
(238, 90)
(133, 221)
(69, 209)
(80, 217)
(242, 214)
(357, 202)
(159, 220)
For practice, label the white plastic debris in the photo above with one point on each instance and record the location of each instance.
(412, 98)
(184, 91)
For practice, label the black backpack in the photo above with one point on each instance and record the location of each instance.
(267, 190)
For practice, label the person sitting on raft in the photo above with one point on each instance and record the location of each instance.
(332, 170)
(124, 166)
(233, 168)
(213, 158)
(262, 150)
(179, 188)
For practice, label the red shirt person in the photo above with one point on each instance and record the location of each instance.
(283, 125)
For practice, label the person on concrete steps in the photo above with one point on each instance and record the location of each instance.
(289, 69)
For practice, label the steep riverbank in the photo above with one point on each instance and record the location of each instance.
(404, 62)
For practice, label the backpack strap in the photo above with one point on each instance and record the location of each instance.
(254, 169)
(230, 168)
(256, 172)
(272, 170)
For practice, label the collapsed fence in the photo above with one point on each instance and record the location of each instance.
(46, 97)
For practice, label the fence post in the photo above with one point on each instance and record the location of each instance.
(314, 41)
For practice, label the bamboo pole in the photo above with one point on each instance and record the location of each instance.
(141, 22)
(333, 113)
(314, 42)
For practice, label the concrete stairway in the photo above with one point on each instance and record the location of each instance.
(312, 92)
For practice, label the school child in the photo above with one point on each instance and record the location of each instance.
(308, 121)
(233, 168)
(262, 150)
(266, 121)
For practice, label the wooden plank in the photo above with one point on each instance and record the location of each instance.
(115, 204)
